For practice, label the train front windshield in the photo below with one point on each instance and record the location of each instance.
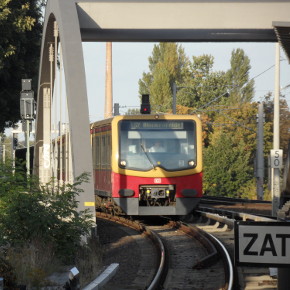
(147, 144)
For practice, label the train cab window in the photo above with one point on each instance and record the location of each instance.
(146, 144)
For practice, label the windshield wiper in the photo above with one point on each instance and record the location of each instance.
(143, 149)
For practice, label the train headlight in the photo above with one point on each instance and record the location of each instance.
(123, 163)
(148, 191)
(191, 163)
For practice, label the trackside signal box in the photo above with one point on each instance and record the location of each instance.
(27, 102)
(262, 243)
(145, 105)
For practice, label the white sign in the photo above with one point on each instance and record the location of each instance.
(276, 158)
(266, 243)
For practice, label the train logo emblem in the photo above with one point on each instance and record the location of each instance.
(157, 180)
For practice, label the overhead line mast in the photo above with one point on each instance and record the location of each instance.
(109, 85)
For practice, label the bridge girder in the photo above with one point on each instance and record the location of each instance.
(65, 14)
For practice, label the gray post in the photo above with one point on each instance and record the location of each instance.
(283, 273)
(260, 152)
(174, 98)
(4, 153)
(276, 136)
(27, 149)
(13, 153)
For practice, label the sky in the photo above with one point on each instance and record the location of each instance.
(130, 60)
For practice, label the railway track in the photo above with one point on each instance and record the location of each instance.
(191, 261)
(229, 200)
(176, 256)
(220, 223)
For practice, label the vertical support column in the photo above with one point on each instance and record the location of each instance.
(109, 89)
(4, 153)
(51, 58)
(45, 151)
(260, 152)
(55, 107)
(61, 155)
(276, 136)
(174, 89)
(27, 148)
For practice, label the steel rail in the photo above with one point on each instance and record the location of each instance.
(230, 200)
(205, 211)
(152, 235)
(156, 281)
(229, 264)
(214, 247)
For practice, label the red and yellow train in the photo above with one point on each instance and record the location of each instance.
(148, 164)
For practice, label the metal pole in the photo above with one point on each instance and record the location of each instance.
(4, 153)
(276, 136)
(51, 106)
(56, 133)
(109, 85)
(174, 98)
(60, 117)
(27, 149)
(283, 273)
(260, 152)
(13, 154)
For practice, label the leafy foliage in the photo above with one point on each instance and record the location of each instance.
(201, 84)
(241, 87)
(19, 52)
(167, 65)
(284, 123)
(30, 212)
(226, 166)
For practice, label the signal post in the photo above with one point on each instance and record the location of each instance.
(27, 112)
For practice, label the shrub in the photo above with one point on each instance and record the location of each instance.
(35, 217)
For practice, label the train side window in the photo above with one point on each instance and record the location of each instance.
(94, 151)
(108, 150)
(97, 148)
(103, 151)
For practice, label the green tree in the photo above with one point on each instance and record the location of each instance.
(226, 167)
(167, 65)
(284, 123)
(20, 22)
(238, 123)
(201, 85)
(241, 87)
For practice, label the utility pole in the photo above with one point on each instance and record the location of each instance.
(260, 152)
(109, 85)
(4, 153)
(276, 153)
(276, 157)
(27, 111)
(174, 89)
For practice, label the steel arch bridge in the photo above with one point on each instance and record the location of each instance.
(62, 124)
